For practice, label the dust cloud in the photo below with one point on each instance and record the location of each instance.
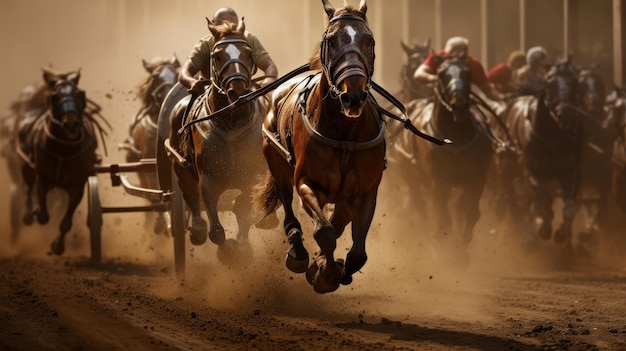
(409, 273)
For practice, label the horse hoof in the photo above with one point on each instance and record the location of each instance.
(198, 237)
(28, 219)
(227, 252)
(57, 247)
(297, 265)
(346, 279)
(42, 219)
(217, 237)
(297, 259)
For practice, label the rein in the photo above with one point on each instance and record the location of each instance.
(244, 99)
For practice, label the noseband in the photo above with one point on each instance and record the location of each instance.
(223, 82)
(455, 84)
(336, 72)
(65, 102)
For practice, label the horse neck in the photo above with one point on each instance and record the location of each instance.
(325, 114)
(239, 117)
(543, 122)
(443, 122)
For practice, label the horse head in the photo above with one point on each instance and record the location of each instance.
(231, 59)
(592, 92)
(163, 74)
(66, 102)
(415, 55)
(562, 93)
(453, 85)
(347, 56)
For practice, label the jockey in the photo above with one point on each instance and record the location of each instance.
(426, 72)
(199, 59)
(534, 70)
(502, 76)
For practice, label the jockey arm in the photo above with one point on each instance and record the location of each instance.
(424, 74)
(268, 67)
(188, 78)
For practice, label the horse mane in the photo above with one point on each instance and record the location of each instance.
(315, 63)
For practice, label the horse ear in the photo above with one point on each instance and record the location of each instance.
(174, 61)
(569, 59)
(438, 58)
(405, 47)
(49, 77)
(211, 27)
(328, 8)
(363, 6)
(241, 27)
(146, 66)
(74, 77)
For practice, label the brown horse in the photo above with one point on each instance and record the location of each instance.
(141, 142)
(618, 172)
(57, 149)
(324, 135)
(548, 129)
(415, 55)
(222, 153)
(601, 133)
(461, 166)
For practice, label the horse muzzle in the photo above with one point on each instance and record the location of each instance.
(353, 95)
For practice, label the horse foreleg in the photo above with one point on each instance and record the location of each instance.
(75, 196)
(42, 196)
(242, 209)
(356, 257)
(468, 206)
(210, 196)
(189, 187)
(569, 186)
(29, 180)
(324, 274)
(542, 209)
(441, 196)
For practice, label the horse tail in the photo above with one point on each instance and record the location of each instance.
(265, 197)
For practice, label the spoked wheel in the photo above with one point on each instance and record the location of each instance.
(94, 219)
(179, 226)
(16, 213)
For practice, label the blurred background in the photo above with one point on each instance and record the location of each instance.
(108, 38)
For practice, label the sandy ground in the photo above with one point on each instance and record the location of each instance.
(413, 294)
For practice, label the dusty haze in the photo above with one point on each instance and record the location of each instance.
(107, 39)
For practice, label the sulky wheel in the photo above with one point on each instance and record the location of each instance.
(94, 219)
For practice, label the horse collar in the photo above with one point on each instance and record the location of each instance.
(346, 146)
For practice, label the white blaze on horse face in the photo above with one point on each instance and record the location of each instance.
(168, 75)
(66, 89)
(351, 33)
(234, 53)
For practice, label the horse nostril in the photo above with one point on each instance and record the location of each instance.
(345, 100)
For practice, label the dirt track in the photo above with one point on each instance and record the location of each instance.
(412, 294)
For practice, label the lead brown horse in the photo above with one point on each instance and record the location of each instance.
(221, 153)
(142, 139)
(324, 135)
(57, 149)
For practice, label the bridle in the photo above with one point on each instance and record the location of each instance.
(164, 85)
(455, 84)
(67, 98)
(335, 71)
(223, 82)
